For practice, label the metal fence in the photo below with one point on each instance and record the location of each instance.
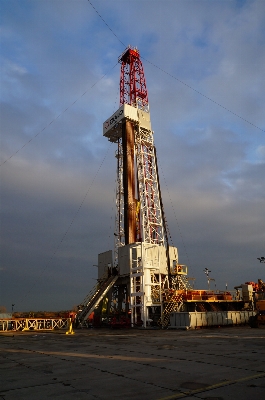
(32, 324)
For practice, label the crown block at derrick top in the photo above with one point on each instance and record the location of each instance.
(112, 127)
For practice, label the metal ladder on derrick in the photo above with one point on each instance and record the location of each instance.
(93, 299)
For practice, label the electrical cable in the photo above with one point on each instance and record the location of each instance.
(179, 80)
(71, 223)
(175, 215)
(201, 94)
(190, 87)
(106, 24)
(160, 166)
(80, 206)
(37, 134)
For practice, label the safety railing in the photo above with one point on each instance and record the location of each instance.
(32, 324)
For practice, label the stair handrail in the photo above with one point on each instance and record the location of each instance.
(94, 290)
(91, 300)
(174, 302)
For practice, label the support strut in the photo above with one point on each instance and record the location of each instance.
(129, 182)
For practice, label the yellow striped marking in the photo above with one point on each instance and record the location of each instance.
(215, 386)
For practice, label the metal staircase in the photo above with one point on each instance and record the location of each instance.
(180, 282)
(93, 299)
(186, 283)
(174, 304)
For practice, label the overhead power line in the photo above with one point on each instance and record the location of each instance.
(71, 223)
(37, 134)
(151, 63)
(175, 215)
(100, 16)
(201, 94)
(179, 80)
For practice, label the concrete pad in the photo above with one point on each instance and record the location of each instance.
(136, 364)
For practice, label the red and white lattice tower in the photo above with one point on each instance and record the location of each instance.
(133, 89)
(138, 202)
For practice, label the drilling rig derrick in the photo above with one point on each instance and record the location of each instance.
(143, 283)
(141, 254)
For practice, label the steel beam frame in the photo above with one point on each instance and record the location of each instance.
(148, 187)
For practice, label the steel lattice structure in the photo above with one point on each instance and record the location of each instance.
(119, 221)
(147, 207)
(148, 211)
(133, 89)
(139, 225)
(149, 196)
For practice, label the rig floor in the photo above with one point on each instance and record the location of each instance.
(220, 364)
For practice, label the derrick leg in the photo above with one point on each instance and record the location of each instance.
(129, 182)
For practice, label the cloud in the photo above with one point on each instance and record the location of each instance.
(261, 151)
(58, 199)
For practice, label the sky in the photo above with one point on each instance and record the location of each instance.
(204, 64)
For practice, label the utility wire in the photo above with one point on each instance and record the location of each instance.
(201, 94)
(179, 80)
(154, 65)
(37, 134)
(157, 160)
(71, 223)
(106, 23)
(175, 215)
